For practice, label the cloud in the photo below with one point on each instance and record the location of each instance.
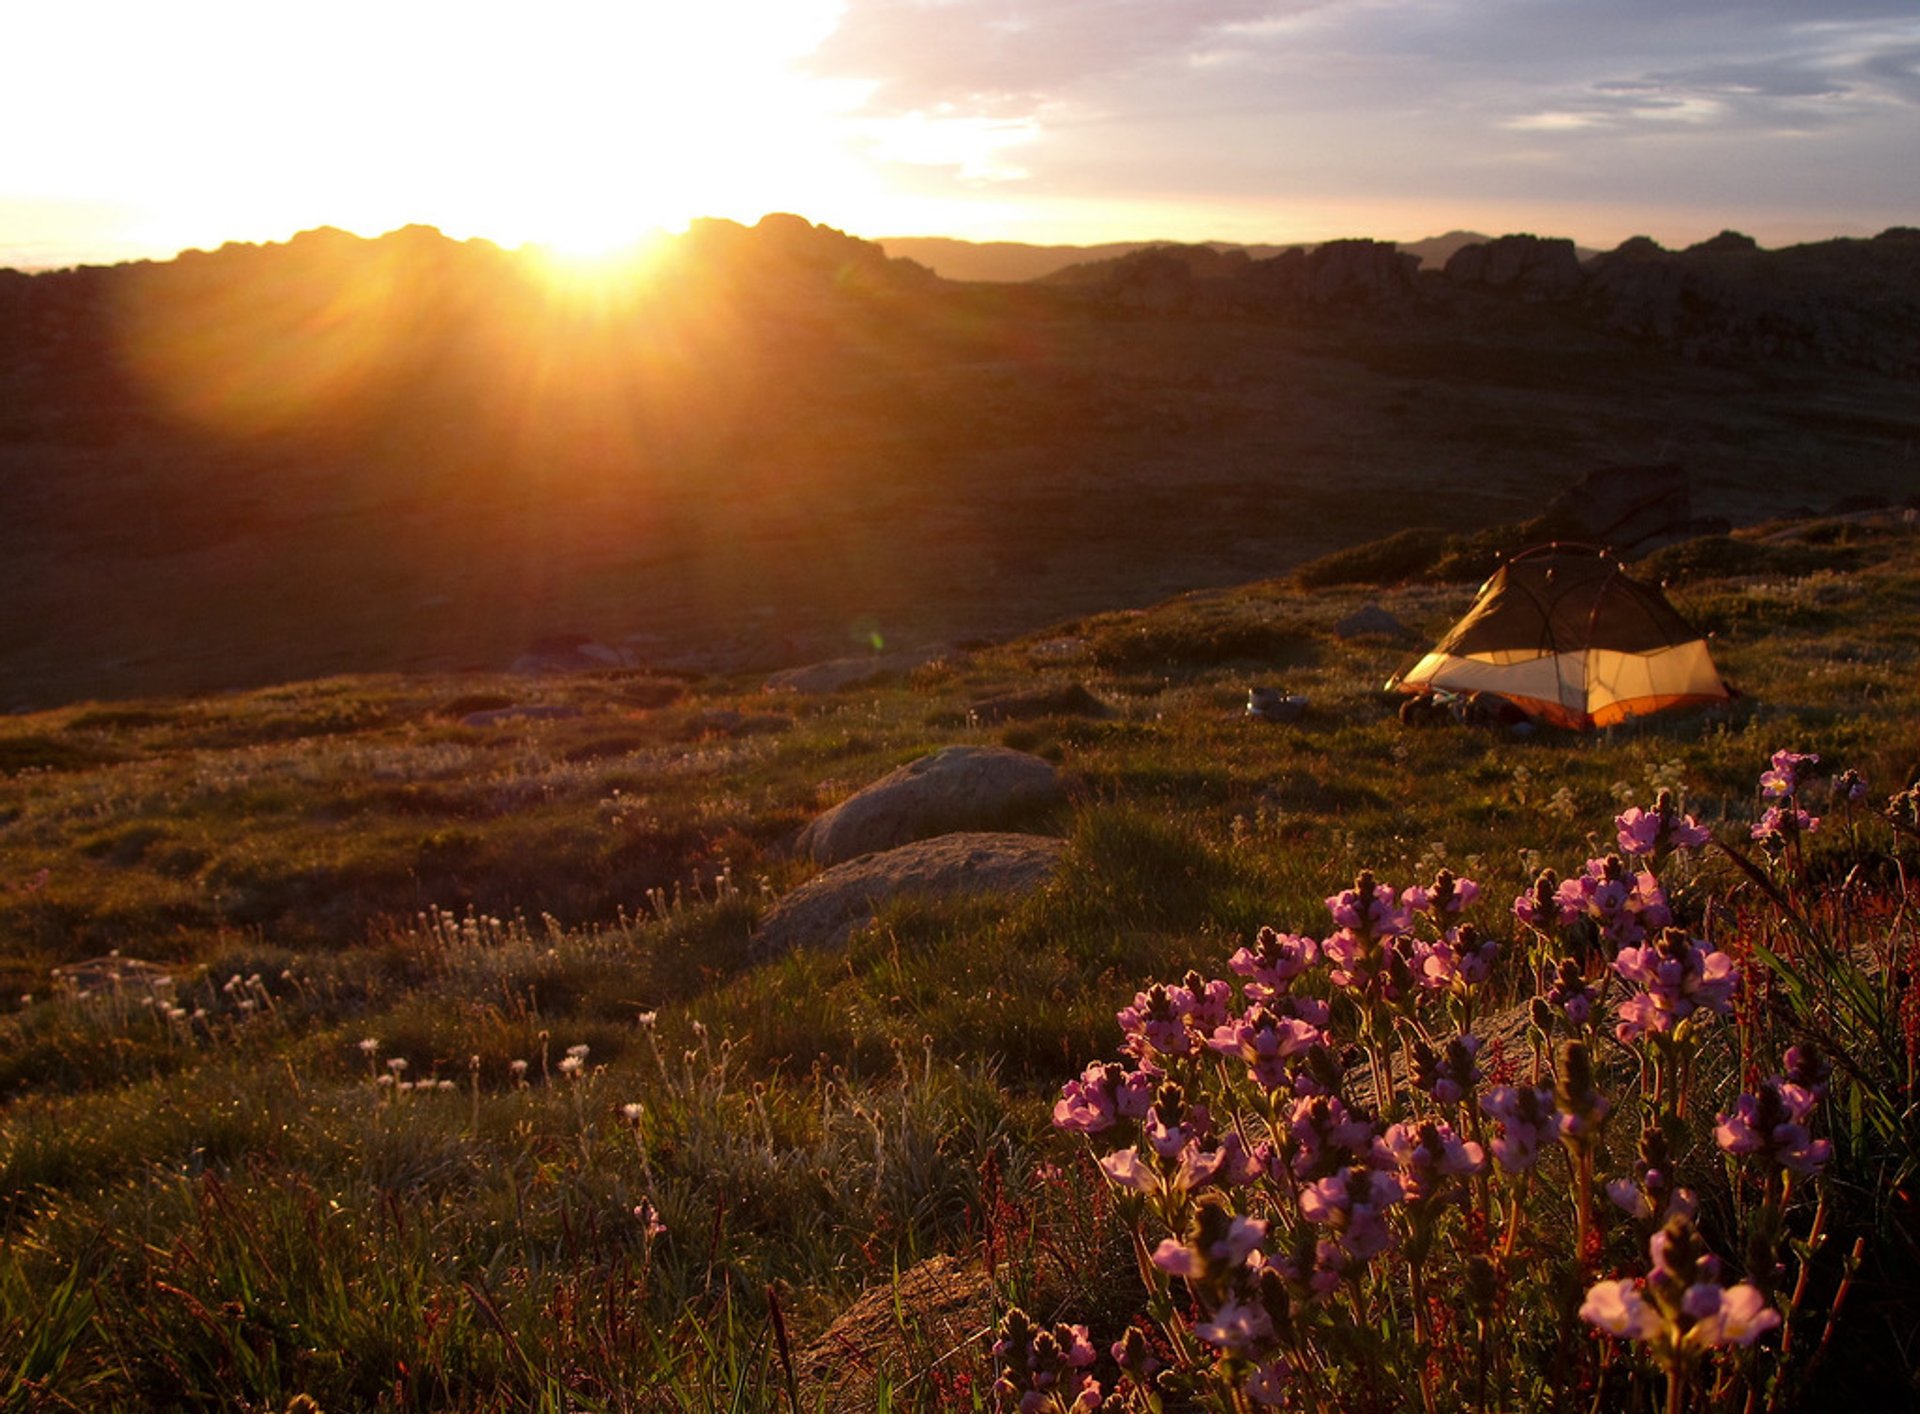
(1001, 54)
(1319, 100)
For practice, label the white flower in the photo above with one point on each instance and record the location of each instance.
(369, 1046)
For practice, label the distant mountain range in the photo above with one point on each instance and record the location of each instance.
(1008, 262)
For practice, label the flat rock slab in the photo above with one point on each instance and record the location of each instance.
(955, 788)
(836, 674)
(495, 716)
(1071, 701)
(827, 909)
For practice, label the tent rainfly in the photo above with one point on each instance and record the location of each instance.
(1563, 633)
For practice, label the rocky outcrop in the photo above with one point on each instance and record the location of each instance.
(1537, 268)
(830, 907)
(1727, 301)
(1359, 272)
(955, 788)
(1623, 508)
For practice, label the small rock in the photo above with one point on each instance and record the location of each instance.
(1369, 622)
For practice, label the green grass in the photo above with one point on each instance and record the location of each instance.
(222, 1207)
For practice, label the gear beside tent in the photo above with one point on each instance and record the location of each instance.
(1566, 635)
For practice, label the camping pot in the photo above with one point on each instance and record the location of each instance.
(1270, 704)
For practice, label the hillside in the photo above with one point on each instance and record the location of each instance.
(271, 463)
(472, 1083)
(1010, 262)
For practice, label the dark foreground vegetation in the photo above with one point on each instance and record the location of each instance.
(471, 1090)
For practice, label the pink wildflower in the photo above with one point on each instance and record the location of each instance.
(1659, 831)
(1782, 823)
(1770, 1124)
(1527, 1120)
(1444, 897)
(1327, 1137)
(1156, 1023)
(1450, 1077)
(1354, 1202)
(1430, 1154)
(1042, 1369)
(1784, 775)
(1268, 1384)
(1368, 908)
(1623, 904)
(1616, 1307)
(1272, 963)
(1237, 1327)
(1680, 977)
(1681, 1307)
(1540, 907)
(1265, 1042)
(1461, 960)
(1212, 1246)
(1127, 1169)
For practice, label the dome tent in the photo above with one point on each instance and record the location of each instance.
(1563, 632)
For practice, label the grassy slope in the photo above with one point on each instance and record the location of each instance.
(888, 1093)
(947, 465)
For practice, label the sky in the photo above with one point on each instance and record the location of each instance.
(139, 129)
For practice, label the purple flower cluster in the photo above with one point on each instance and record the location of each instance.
(1681, 1306)
(1780, 786)
(1623, 904)
(1658, 832)
(1241, 1294)
(1678, 978)
(1650, 1192)
(1785, 775)
(1527, 1120)
(1043, 1370)
(1450, 1076)
(1770, 1123)
(1459, 961)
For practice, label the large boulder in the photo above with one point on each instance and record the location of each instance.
(956, 788)
(827, 909)
(1623, 507)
